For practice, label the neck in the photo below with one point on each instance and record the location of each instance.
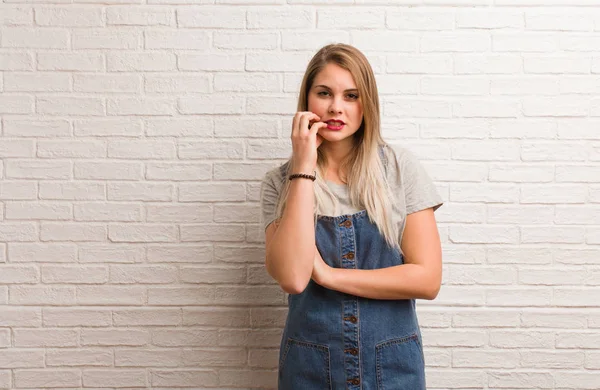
(335, 152)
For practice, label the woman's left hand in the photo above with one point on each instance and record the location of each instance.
(321, 273)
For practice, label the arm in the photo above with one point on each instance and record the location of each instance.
(291, 242)
(419, 277)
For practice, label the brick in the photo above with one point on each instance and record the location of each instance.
(419, 63)
(186, 337)
(16, 61)
(455, 42)
(109, 38)
(147, 317)
(110, 295)
(139, 16)
(16, 16)
(106, 83)
(521, 339)
(552, 194)
(137, 274)
(112, 253)
(140, 61)
(24, 37)
(176, 84)
(485, 359)
(521, 379)
(71, 149)
(67, 317)
(221, 17)
(80, 61)
(41, 295)
(149, 358)
(140, 192)
(51, 231)
(518, 297)
(142, 233)
(121, 127)
(108, 170)
(15, 104)
(21, 317)
(211, 62)
(37, 82)
(181, 295)
(48, 253)
(245, 40)
(484, 19)
(45, 337)
(557, 65)
(114, 378)
(178, 213)
(71, 191)
(79, 357)
(407, 19)
(211, 104)
(182, 127)
(139, 150)
(484, 108)
(21, 358)
(19, 232)
(488, 64)
(70, 106)
(47, 378)
(178, 172)
(386, 41)
(180, 253)
(114, 337)
(557, 318)
(74, 274)
(181, 377)
(223, 317)
(524, 42)
(107, 212)
(140, 106)
(69, 16)
(176, 39)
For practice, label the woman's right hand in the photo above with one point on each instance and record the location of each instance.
(305, 141)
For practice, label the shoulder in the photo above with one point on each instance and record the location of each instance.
(401, 162)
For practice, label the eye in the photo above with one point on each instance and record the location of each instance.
(321, 93)
(353, 96)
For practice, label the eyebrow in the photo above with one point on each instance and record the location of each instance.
(348, 90)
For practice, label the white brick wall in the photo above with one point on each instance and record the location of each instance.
(134, 134)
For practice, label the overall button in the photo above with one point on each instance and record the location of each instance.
(349, 255)
(354, 381)
(347, 223)
(351, 319)
(352, 351)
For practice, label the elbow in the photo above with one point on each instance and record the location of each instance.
(291, 285)
(432, 292)
(293, 288)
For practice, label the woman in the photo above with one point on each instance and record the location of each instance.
(354, 239)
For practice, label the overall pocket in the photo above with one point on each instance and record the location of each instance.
(304, 366)
(400, 364)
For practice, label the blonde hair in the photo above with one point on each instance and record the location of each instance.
(368, 187)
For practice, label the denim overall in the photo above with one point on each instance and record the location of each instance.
(334, 340)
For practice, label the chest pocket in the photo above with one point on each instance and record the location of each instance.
(304, 366)
(400, 364)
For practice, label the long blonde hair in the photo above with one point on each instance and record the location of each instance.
(365, 174)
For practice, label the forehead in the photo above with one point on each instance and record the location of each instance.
(335, 77)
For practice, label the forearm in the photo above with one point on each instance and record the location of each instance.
(406, 281)
(290, 255)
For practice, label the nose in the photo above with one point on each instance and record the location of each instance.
(335, 106)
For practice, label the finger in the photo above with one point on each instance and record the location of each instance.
(304, 120)
(295, 122)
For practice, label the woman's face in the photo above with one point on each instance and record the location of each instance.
(334, 96)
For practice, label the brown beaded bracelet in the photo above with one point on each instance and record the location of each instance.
(304, 175)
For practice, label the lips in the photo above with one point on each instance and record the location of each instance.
(335, 122)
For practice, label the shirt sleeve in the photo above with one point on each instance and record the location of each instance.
(419, 190)
(269, 196)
